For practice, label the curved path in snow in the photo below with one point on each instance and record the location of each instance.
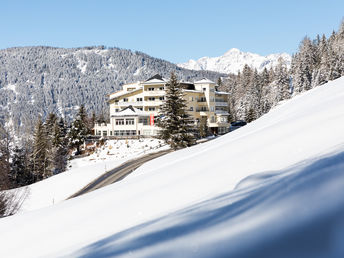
(118, 173)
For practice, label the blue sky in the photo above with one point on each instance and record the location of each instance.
(171, 30)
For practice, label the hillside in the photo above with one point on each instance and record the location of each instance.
(270, 189)
(39, 80)
(234, 60)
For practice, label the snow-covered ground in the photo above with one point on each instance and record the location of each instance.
(82, 171)
(273, 188)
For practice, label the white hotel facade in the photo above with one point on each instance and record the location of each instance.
(134, 108)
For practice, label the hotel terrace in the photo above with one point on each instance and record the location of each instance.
(134, 108)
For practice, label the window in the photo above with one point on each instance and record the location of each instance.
(151, 99)
(119, 121)
(204, 89)
(143, 120)
(191, 108)
(111, 133)
(161, 88)
(161, 98)
(104, 133)
(150, 89)
(125, 100)
(212, 120)
(140, 108)
(151, 109)
(212, 109)
(99, 132)
(138, 99)
(116, 110)
(129, 121)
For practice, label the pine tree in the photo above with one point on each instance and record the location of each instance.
(5, 157)
(60, 147)
(250, 115)
(203, 127)
(40, 157)
(175, 123)
(20, 172)
(282, 81)
(79, 130)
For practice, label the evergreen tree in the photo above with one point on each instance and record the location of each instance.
(40, 157)
(79, 130)
(282, 81)
(250, 115)
(175, 123)
(20, 172)
(59, 147)
(203, 127)
(5, 156)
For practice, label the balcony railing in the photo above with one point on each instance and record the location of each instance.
(155, 93)
(133, 103)
(202, 110)
(221, 103)
(153, 103)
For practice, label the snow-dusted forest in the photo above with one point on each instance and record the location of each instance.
(41, 80)
(317, 61)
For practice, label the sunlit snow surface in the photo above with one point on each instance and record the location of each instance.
(273, 188)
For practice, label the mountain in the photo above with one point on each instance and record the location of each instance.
(234, 60)
(273, 188)
(39, 80)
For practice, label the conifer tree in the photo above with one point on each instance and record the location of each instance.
(250, 115)
(282, 81)
(79, 130)
(175, 123)
(40, 157)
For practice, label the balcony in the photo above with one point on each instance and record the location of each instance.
(221, 103)
(155, 93)
(221, 112)
(152, 103)
(133, 103)
(202, 110)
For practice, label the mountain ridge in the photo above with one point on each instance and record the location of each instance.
(234, 60)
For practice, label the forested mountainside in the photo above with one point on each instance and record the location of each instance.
(39, 80)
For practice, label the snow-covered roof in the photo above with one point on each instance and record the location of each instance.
(222, 92)
(205, 80)
(122, 93)
(130, 111)
(196, 91)
(154, 81)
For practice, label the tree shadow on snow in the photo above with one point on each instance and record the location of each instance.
(297, 213)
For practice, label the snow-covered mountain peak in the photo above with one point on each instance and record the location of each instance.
(231, 51)
(234, 60)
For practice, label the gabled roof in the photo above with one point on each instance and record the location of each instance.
(155, 79)
(205, 80)
(130, 111)
(157, 76)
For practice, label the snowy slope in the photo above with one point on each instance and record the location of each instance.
(82, 171)
(234, 60)
(270, 189)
